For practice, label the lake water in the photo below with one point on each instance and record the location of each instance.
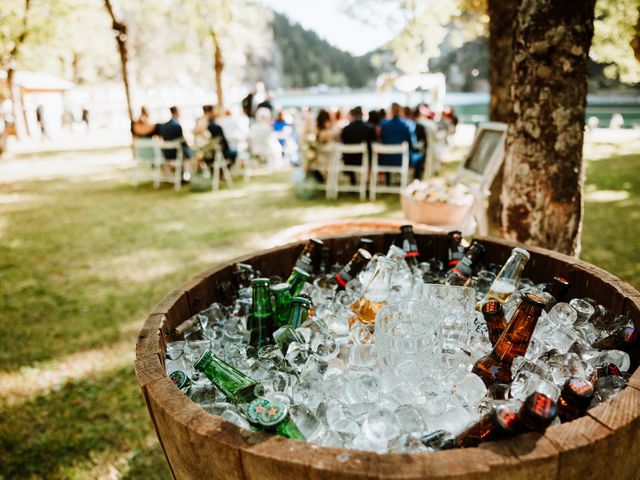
(470, 107)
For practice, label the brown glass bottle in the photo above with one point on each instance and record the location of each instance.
(536, 413)
(409, 244)
(493, 314)
(575, 398)
(461, 274)
(625, 339)
(456, 248)
(357, 263)
(496, 366)
(495, 425)
(310, 255)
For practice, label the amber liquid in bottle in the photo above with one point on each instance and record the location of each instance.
(493, 426)
(496, 366)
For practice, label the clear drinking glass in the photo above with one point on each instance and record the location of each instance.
(408, 333)
(454, 307)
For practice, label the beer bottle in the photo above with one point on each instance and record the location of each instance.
(409, 245)
(575, 398)
(235, 385)
(367, 244)
(461, 273)
(625, 339)
(375, 293)
(281, 303)
(456, 248)
(493, 314)
(495, 425)
(242, 274)
(496, 366)
(554, 292)
(351, 270)
(604, 370)
(180, 380)
(536, 414)
(296, 281)
(298, 315)
(325, 260)
(273, 416)
(260, 323)
(507, 279)
(310, 255)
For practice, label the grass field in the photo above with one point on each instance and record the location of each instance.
(83, 258)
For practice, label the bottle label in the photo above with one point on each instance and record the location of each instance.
(340, 280)
(542, 406)
(264, 412)
(179, 379)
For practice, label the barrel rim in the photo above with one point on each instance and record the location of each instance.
(603, 423)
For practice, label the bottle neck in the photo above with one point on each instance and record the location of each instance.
(299, 314)
(381, 280)
(512, 270)
(516, 337)
(261, 301)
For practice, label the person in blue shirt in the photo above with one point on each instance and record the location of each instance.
(172, 130)
(395, 131)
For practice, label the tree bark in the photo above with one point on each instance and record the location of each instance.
(502, 15)
(502, 20)
(218, 66)
(120, 32)
(544, 176)
(635, 41)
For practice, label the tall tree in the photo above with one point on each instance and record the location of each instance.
(502, 15)
(120, 33)
(543, 176)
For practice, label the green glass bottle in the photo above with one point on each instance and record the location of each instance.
(235, 385)
(261, 323)
(296, 281)
(287, 334)
(281, 303)
(273, 417)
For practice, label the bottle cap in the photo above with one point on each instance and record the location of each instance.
(578, 391)
(492, 308)
(180, 379)
(279, 288)
(259, 281)
(521, 251)
(505, 417)
(364, 253)
(406, 228)
(266, 413)
(537, 411)
(534, 300)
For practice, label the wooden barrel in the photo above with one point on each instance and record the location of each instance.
(603, 444)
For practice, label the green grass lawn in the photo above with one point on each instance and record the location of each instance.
(83, 259)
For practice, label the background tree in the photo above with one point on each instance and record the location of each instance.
(120, 33)
(25, 25)
(543, 175)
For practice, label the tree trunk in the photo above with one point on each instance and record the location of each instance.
(502, 15)
(502, 20)
(543, 176)
(218, 66)
(120, 32)
(635, 41)
(14, 100)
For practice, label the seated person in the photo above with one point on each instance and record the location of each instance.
(217, 134)
(394, 132)
(172, 130)
(143, 128)
(263, 141)
(357, 131)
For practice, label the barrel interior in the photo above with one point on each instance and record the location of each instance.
(200, 445)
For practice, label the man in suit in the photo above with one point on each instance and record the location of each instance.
(217, 133)
(357, 131)
(394, 132)
(172, 130)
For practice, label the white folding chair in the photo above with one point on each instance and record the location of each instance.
(337, 166)
(148, 152)
(220, 167)
(378, 149)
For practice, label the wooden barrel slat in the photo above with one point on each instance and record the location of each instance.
(199, 445)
